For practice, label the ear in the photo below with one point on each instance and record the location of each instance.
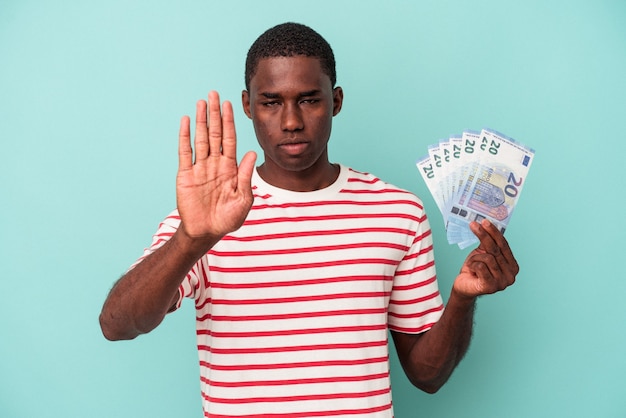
(337, 100)
(245, 101)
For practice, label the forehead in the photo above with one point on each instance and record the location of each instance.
(299, 72)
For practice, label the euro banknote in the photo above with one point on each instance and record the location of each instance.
(473, 176)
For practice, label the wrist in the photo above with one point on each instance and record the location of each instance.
(462, 300)
(196, 246)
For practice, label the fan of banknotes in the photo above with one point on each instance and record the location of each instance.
(474, 176)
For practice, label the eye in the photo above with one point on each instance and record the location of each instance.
(270, 103)
(310, 101)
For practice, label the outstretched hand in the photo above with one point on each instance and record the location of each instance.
(490, 268)
(213, 193)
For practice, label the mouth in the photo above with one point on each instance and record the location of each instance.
(294, 146)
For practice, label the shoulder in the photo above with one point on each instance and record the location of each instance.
(368, 183)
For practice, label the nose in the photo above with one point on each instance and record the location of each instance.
(291, 118)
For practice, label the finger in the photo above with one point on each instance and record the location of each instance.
(487, 242)
(495, 253)
(229, 141)
(215, 124)
(502, 244)
(486, 268)
(246, 168)
(484, 265)
(487, 234)
(498, 245)
(201, 141)
(185, 154)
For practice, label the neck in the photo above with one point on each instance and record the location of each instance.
(307, 180)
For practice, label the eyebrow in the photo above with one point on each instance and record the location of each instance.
(270, 95)
(310, 93)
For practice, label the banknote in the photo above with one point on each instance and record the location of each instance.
(473, 176)
(426, 169)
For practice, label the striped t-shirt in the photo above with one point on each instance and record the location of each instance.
(293, 308)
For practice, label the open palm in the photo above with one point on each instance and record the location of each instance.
(213, 193)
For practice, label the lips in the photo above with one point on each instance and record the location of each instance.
(294, 147)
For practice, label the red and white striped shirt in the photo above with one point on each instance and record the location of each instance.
(293, 308)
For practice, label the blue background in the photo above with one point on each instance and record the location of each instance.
(91, 94)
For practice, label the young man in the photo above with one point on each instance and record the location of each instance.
(299, 267)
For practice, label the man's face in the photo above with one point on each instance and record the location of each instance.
(291, 103)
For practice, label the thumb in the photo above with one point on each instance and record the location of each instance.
(246, 168)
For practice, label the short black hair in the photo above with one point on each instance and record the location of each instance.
(288, 40)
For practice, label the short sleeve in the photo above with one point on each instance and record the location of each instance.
(165, 231)
(415, 304)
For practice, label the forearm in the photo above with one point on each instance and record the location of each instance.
(140, 300)
(430, 360)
